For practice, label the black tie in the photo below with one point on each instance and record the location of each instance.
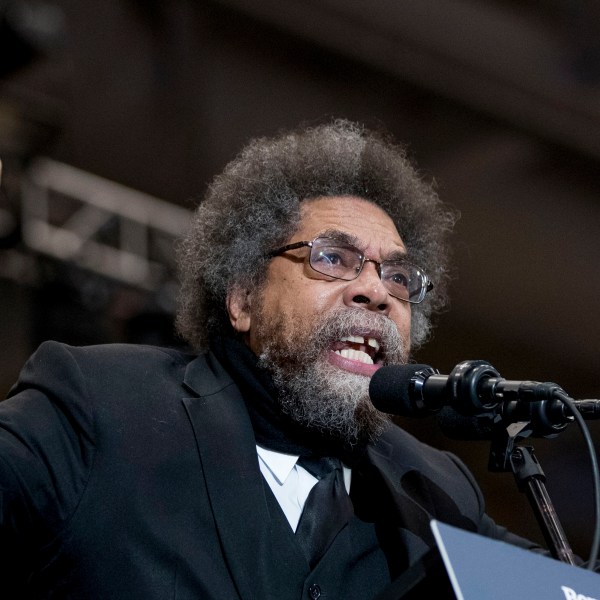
(327, 509)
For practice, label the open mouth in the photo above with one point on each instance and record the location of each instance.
(364, 349)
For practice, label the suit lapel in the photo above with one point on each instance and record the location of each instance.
(234, 483)
(414, 488)
(401, 517)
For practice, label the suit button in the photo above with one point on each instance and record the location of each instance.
(314, 591)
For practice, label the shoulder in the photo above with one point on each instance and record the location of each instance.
(109, 353)
(90, 391)
(411, 451)
(62, 359)
(61, 371)
(407, 457)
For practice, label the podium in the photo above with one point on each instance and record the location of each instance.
(474, 567)
(483, 569)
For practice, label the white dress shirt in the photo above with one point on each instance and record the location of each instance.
(290, 482)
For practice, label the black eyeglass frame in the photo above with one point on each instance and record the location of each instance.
(425, 288)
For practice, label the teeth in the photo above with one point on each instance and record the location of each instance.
(359, 339)
(355, 355)
(356, 339)
(373, 343)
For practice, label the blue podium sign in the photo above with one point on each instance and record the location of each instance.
(483, 569)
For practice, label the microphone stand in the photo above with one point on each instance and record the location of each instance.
(506, 456)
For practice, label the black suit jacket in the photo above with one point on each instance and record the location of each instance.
(131, 472)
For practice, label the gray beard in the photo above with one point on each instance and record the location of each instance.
(313, 392)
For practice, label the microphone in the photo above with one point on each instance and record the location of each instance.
(398, 390)
(473, 400)
(473, 387)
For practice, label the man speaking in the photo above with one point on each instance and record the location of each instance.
(257, 467)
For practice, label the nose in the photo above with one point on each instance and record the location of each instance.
(367, 290)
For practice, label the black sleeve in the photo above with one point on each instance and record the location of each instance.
(46, 453)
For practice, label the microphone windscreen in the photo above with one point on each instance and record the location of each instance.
(390, 389)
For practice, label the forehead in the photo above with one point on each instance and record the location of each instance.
(370, 225)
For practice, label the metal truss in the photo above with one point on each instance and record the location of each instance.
(100, 226)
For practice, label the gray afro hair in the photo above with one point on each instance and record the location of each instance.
(254, 207)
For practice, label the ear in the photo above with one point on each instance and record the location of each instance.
(238, 309)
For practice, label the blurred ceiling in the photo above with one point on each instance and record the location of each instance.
(498, 101)
(535, 65)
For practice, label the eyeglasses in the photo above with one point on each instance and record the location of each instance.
(340, 260)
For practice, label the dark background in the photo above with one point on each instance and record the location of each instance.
(497, 100)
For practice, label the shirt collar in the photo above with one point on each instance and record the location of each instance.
(279, 464)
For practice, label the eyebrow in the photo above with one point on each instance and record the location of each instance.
(340, 236)
(352, 240)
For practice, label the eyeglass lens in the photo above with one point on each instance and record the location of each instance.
(341, 261)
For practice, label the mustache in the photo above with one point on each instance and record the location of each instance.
(355, 321)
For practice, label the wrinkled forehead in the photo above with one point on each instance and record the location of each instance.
(359, 221)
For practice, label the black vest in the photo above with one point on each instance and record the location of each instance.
(353, 568)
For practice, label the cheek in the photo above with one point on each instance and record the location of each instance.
(402, 319)
(307, 296)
